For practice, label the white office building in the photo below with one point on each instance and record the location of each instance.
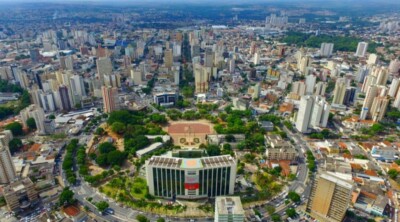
(326, 49)
(229, 209)
(361, 49)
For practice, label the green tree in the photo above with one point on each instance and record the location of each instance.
(393, 173)
(31, 123)
(160, 219)
(52, 116)
(275, 217)
(102, 159)
(213, 150)
(293, 196)
(116, 157)
(66, 197)
(106, 147)
(291, 212)
(99, 131)
(118, 127)
(15, 145)
(15, 127)
(102, 206)
(142, 218)
(270, 209)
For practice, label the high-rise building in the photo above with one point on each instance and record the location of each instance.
(77, 88)
(110, 98)
(228, 209)
(369, 99)
(330, 197)
(48, 103)
(381, 74)
(372, 59)
(394, 67)
(168, 58)
(299, 88)
(256, 58)
(326, 49)
(64, 97)
(310, 84)
(190, 174)
(209, 58)
(349, 96)
(7, 168)
(361, 49)
(35, 112)
(368, 81)
(320, 88)
(378, 108)
(104, 67)
(305, 62)
(339, 91)
(202, 77)
(394, 87)
(304, 113)
(362, 73)
(20, 195)
(320, 113)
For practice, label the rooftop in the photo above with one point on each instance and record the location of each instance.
(190, 163)
(229, 205)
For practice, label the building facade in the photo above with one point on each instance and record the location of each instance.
(191, 178)
(330, 197)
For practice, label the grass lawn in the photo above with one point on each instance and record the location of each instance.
(121, 188)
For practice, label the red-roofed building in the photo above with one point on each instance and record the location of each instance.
(73, 213)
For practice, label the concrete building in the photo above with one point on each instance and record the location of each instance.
(279, 149)
(330, 197)
(361, 49)
(228, 209)
(104, 67)
(209, 58)
(369, 99)
(110, 98)
(326, 49)
(320, 88)
(201, 77)
(188, 174)
(304, 113)
(299, 88)
(20, 195)
(310, 84)
(394, 87)
(339, 91)
(165, 99)
(168, 58)
(36, 112)
(64, 97)
(372, 59)
(378, 108)
(7, 168)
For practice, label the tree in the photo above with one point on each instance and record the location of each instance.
(160, 219)
(102, 206)
(15, 144)
(52, 116)
(31, 123)
(15, 127)
(106, 147)
(275, 217)
(393, 173)
(116, 157)
(293, 196)
(102, 159)
(66, 197)
(118, 127)
(213, 150)
(270, 209)
(142, 218)
(291, 212)
(71, 180)
(99, 131)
